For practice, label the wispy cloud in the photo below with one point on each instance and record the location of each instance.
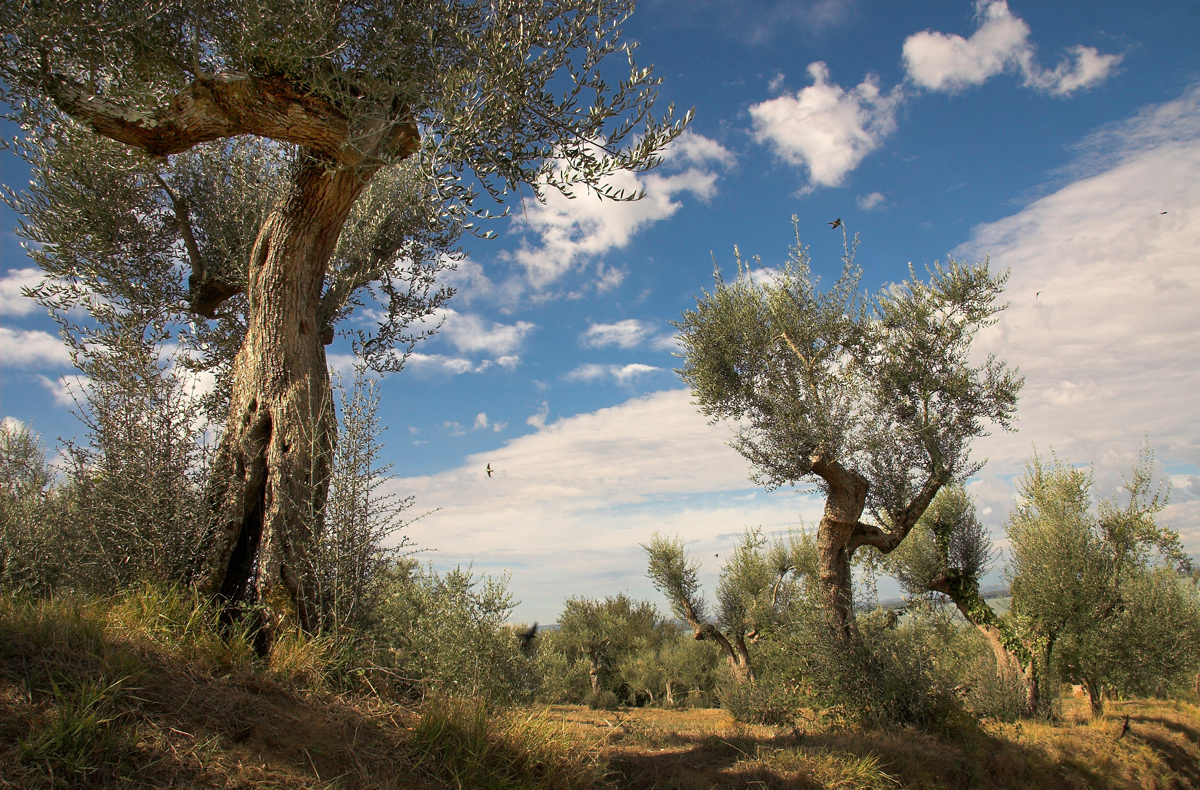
(622, 374)
(441, 363)
(873, 200)
(1102, 308)
(468, 333)
(950, 63)
(825, 128)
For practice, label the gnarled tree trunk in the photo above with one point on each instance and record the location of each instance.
(835, 548)
(1012, 655)
(271, 475)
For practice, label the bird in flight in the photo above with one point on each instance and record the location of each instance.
(837, 223)
(526, 637)
(489, 470)
(1036, 295)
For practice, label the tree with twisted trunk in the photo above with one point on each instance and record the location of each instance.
(349, 141)
(947, 553)
(875, 401)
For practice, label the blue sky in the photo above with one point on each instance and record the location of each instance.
(1048, 136)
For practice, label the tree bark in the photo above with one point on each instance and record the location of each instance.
(843, 507)
(1095, 697)
(271, 475)
(1012, 654)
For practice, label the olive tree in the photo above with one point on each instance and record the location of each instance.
(358, 118)
(753, 587)
(875, 401)
(1099, 586)
(604, 633)
(947, 553)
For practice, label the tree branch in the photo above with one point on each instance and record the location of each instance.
(205, 292)
(222, 106)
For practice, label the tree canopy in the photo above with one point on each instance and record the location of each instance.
(874, 400)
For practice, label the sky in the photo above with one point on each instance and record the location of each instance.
(1059, 141)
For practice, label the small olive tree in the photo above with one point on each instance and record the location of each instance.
(753, 589)
(876, 401)
(947, 553)
(1099, 587)
(30, 551)
(604, 634)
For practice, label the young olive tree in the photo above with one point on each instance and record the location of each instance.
(345, 141)
(947, 553)
(874, 401)
(604, 633)
(1100, 588)
(753, 588)
(30, 554)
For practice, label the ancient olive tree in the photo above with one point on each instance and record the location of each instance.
(294, 159)
(1099, 586)
(753, 588)
(947, 553)
(875, 401)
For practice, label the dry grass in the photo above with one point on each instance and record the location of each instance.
(146, 692)
(706, 748)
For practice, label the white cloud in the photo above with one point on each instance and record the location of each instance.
(65, 389)
(873, 200)
(11, 285)
(622, 374)
(577, 496)
(571, 231)
(468, 280)
(629, 333)
(468, 333)
(826, 128)
(481, 421)
(609, 278)
(949, 62)
(1102, 316)
(440, 363)
(23, 348)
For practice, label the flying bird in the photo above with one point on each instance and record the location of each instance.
(1162, 212)
(489, 470)
(527, 637)
(1036, 295)
(837, 223)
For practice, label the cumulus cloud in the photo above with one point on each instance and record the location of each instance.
(12, 302)
(948, 62)
(26, 348)
(468, 333)
(577, 496)
(569, 232)
(1102, 308)
(622, 374)
(825, 128)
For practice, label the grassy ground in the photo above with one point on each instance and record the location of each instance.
(142, 693)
